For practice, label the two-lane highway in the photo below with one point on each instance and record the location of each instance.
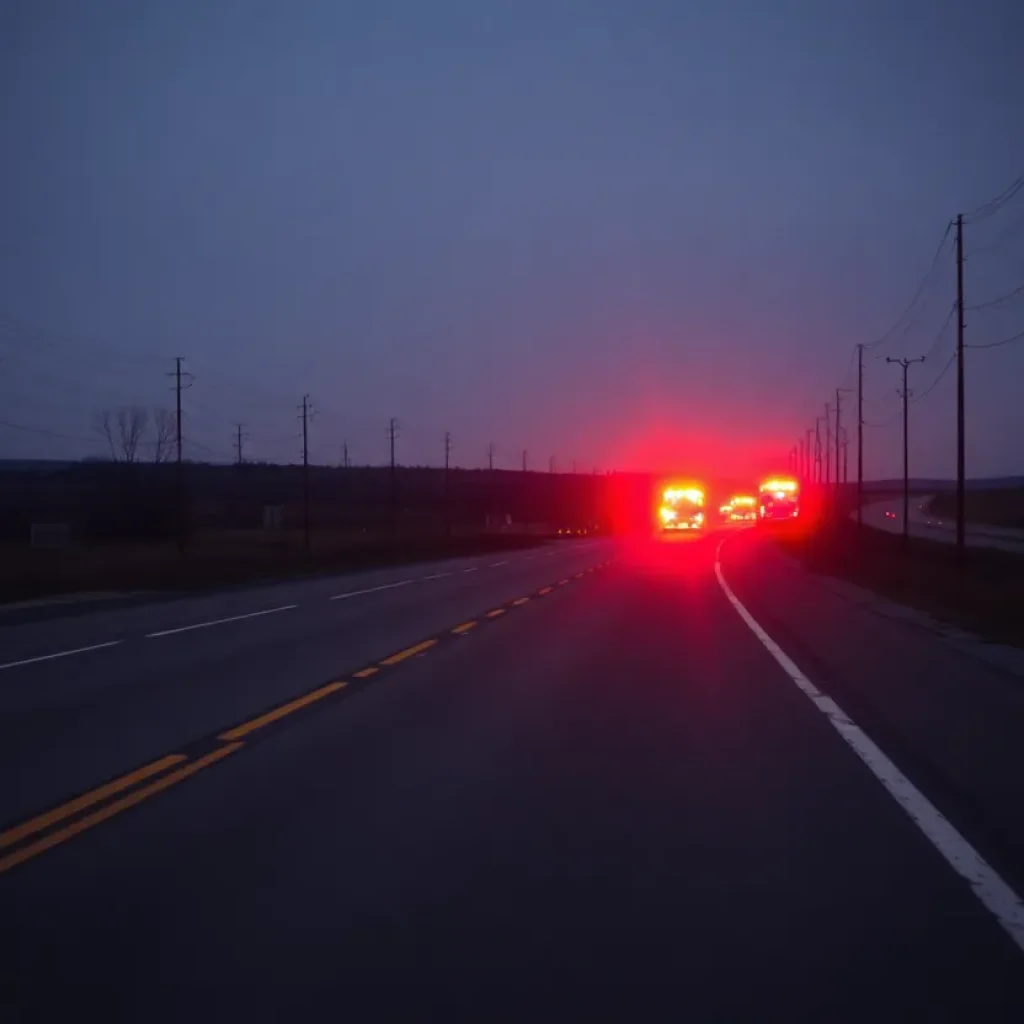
(84, 699)
(887, 515)
(591, 787)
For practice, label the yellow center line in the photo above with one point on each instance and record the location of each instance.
(94, 796)
(545, 590)
(464, 628)
(365, 673)
(69, 831)
(496, 613)
(409, 652)
(285, 709)
(521, 600)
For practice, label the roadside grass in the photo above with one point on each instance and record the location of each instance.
(225, 558)
(984, 596)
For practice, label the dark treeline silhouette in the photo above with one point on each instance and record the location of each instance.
(103, 501)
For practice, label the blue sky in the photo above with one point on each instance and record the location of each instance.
(633, 233)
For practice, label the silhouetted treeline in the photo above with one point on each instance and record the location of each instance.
(105, 501)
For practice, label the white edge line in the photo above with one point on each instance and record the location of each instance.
(472, 568)
(436, 576)
(985, 882)
(217, 622)
(495, 565)
(371, 590)
(60, 654)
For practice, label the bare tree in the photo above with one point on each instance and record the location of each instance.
(123, 431)
(103, 425)
(131, 427)
(166, 429)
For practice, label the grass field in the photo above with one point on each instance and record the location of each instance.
(985, 596)
(222, 558)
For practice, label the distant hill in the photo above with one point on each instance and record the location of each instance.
(35, 465)
(998, 483)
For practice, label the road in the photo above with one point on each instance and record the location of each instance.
(577, 781)
(888, 515)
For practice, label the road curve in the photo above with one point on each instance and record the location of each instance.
(606, 794)
(887, 514)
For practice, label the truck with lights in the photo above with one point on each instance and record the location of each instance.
(682, 508)
(778, 499)
(740, 508)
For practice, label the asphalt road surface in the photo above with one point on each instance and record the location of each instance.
(569, 780)
(887, 515)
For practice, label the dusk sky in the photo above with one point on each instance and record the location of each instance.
(641, 234)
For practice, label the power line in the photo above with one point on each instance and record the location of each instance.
(50, 433)
(886, 422)
(999, 344)
(999, 301)
(189, 443)
(993, 206)
(940, 337)
(1010, 231)
(935, 383)
(920, 290)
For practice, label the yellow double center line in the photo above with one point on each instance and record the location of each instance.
(72, 807)
(56, 826)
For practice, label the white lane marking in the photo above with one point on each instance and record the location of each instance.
(436, 576)
(985, 882)
(371, 590)
(218, 622)
(472, 568)
(60, 654)
(495, 565)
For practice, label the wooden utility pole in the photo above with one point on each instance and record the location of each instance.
(961, 471)
(447, 481)
(392, 433)
(182, 380)
(905, 394)
(239, 439)
(860, 435)
(306, 539)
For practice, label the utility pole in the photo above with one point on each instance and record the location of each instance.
(846, 457)
(802, 461)
(239, 438)
(181, 380)
(392, 433)
(860, 435)
(551, 464)
(490, 457)
(961, 481)
(525, 453)
(905, 394)
(447, 481)
(807, 455)
(839, 432)
(344, 454)
(817, 449)
(828, 445)
(305, 471)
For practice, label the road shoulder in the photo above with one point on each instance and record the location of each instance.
(948, 709)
